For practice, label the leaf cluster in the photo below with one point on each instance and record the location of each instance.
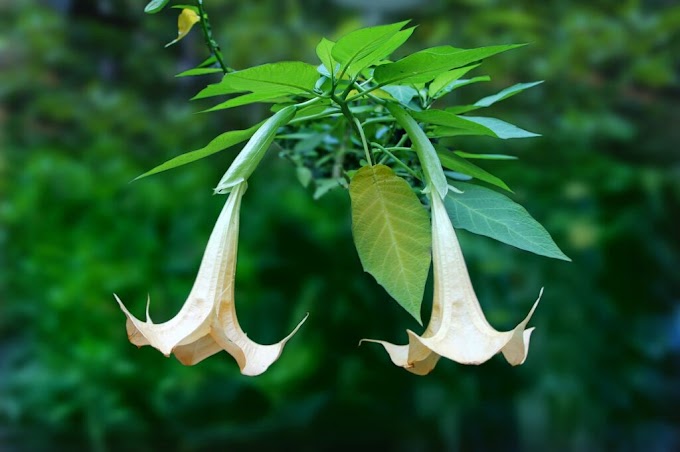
(363, 121)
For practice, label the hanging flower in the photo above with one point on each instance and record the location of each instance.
(458, 329)
(207, 322)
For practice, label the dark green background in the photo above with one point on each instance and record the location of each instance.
(89, 101)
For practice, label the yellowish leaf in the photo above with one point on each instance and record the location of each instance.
(187, 18)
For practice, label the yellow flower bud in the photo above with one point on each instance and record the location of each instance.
(187, 18)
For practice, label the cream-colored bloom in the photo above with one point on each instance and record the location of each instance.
(458, 329)
(207, 322)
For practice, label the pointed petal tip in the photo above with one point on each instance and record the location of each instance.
(253, 358)
(148, 303)
(122, 306)
(412, 357)
(533, 308)
(517, 357)
(295, 330)
(517, 349)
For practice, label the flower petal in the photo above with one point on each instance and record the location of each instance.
(194, 319)
(420, 362)
(189, 324)
(252, 358)
(197, 351)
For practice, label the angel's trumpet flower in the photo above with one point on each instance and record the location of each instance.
(458, 329)
(207, 322)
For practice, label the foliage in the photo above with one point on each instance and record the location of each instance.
(486, 212)
(357, 95)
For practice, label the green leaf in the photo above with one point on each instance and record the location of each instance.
(324, 52)
(199, 71)
(469, 155)
(427, 156)
(425, 65)
(392, 234)
(459, 164)
(507, 92)
(361, 48)
(483, 211)
(310, 111)
(460, 83)
(289, 77)
(450, 120)
(381, 52)
(194, 8)
(459, 109)
(401, 93)
(442, 131)
(443, 79)
(502, 129)
(220, 143)
(155, 6)
(208, 61)
(323, 186)
(304, 175)
(251, 98)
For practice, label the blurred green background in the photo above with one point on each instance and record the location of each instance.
(88, 101)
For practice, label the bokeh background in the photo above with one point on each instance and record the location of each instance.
(89, 101)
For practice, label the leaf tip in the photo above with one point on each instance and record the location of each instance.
(414, 310)
(141, 176)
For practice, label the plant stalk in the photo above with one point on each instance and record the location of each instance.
(209, 41)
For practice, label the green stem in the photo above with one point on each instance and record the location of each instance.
(401, 141)
(379, 119)
(344, 108)
(339, 160)
(364, 92)
(363, 140)
(309, 102)
(316, 116)
(209, 41)
(397, 160)
(347, 90)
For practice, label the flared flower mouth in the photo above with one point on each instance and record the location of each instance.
(207, 322)
(458, 329)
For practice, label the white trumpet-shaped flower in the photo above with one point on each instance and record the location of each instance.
(458, 329)
(207, 322)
